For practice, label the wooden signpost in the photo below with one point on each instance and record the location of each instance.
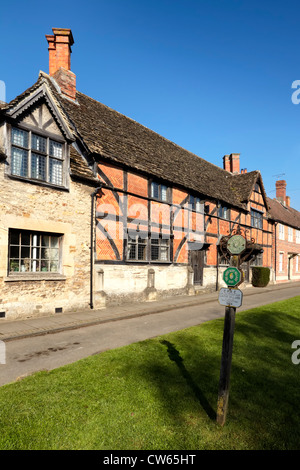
(233, 247)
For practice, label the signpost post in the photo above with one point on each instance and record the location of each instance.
(231, 297)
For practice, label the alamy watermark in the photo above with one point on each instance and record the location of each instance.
(2, 91)
(2, 353)
(296, 354)
(296, 94)
(133, 220)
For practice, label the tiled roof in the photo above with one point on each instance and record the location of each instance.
(105, 133)
(124, 141)
(284, 214)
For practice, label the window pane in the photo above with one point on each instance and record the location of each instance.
(25, 252)
(54, 254)
(154, 252)
(45, 253)
(25, 265)
(44, 265)
(54, 242)
(154, 190)
(19, 137)
(141, 252)
(163, 192)
(53, 266)
(14, 265)
(25, 238)
(164, 253)
(38, 143)
(14, 252)
(55, 172)
(19, 162)
(131, 251)
(56, 149)
(38, 167)
(45, 240)
(14, 237)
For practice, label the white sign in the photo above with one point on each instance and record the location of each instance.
(230, 297)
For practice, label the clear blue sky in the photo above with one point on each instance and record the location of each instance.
(214, 76)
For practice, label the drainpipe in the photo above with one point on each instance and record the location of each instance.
(93, 195)
(275, 254)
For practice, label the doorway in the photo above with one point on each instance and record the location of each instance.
(197, 263)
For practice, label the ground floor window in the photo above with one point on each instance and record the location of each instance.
(144, 248)
(34, 252)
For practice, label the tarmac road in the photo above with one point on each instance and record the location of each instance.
(30, 354)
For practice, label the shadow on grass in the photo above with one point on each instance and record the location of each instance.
(175, 357)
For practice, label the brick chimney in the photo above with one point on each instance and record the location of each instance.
(288, 201)
(281, 191)
(226, 163)
(232, 163)
(59, 47)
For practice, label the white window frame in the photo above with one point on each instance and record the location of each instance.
(30, 254)
(297, 236)
(281, 260)
(281, 231)
(290, 234)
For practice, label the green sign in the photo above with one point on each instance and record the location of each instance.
(236, 244)
(232, 276)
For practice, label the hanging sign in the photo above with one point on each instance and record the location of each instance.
(236, 244)
(230, 297)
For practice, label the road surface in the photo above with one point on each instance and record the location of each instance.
(28, 355)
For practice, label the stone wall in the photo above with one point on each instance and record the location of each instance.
(34, 207)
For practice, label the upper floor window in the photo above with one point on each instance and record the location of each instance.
(223, 212)
(297, 236)
(290, 234)
(256, 219)
(195, 203)
(159, 191)
(36, 157)
(281, 231)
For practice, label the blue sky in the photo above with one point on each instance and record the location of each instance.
(214, 76)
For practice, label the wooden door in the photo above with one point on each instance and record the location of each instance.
(197, 263)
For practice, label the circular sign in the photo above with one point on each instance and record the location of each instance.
(232, 276)
(236, 244)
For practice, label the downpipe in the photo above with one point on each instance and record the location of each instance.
(93, 195)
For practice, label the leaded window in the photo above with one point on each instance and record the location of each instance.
(34, 252)
(256, 219)
(36, 157)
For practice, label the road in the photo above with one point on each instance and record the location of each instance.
(47, 352)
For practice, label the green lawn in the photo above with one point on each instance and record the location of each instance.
(162, 393)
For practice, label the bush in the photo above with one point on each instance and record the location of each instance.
(260, 276)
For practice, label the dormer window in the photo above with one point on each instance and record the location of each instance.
(37, 157)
